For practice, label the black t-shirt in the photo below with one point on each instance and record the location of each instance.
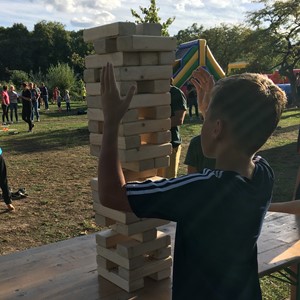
(219, 215)
(26, 93)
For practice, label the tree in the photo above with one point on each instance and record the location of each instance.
(151, 16)
(62, 76)
(191, 33)
(281, 21)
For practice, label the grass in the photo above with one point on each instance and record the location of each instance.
(54, 165)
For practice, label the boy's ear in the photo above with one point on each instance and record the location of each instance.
(219, 129)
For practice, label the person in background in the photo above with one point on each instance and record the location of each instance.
(195, 159)
(192, 101)
(13, 106)
(56, 92)
(5, 105)
(45, 95)
(6, 195)
(59, 98)
(26, 106)
(34, 101)
(178, 111)
(67, 99)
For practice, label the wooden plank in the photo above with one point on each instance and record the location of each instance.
(162, 162)
(143, 72)
(95, 126)
(155, 113)
(163, 274)
(128, 142)
(138, 100)
(146, 43)
(146, 236)
(116, 215)
(96, 114)
(91, 75)
(105, 45)
(148, 29)
(153, 86)
(105, 263)
(93, 88)
(160, 137)
(138, 227)
(166, 58)
(149, 58)
(149, 268)
(114, 29)
(112, 255)
(139, 166)
(131, 248)
(161, 253)
(117, 58)
(109, 238)
(145, 152)
(144, 126)
(139, 176)
(113, 277)
(103, 221)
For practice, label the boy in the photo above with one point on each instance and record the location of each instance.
(219, 212)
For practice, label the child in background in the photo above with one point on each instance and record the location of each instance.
(5, 105)
(219, 213)
(67, 99)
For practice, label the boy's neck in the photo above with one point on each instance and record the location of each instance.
(237, 162)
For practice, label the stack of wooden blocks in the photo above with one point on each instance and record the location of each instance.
(132, 248)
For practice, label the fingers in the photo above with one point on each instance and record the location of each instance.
(129, 95)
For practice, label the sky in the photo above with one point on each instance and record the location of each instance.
(82, 14)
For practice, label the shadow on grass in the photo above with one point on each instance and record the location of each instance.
(285, 162)
(280, 130)
(52, 140)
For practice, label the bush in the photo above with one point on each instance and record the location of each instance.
(17, 77)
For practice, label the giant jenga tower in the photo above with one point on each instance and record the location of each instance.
(132, 248)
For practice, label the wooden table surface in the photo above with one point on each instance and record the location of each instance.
(68, 269)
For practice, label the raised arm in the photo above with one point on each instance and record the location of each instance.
(111, 181)
(290, 207)
(204, 83)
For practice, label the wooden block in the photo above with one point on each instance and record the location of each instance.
(124, 87)
(128, 286)
(161, 137)
(166, 58)
(94, 184)
(145, 152)
(93, 101)
(153, 86)
(146, 236)
(95, 150)
(139, 166)
(146, 43)
(139, 176)
(91, 75)
(116, 215)
(148, 29)
(109, 238)
(138, 227)
(161, 253)
(105, 263)
(149, 58)
(112, 255)
(103, 221)
(155, 113)
(161, 274)
(96, 114)
(114, 29)
(149, 268)
(117, 58)
(143, 126)
(128, 142)
(133, 248)
(139, 100)
(143, 72)
(93, 88)
(105, 45)
(162, 162)
(150, 100)
(95, 126)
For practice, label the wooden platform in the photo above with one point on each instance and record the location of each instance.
(68, 269)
